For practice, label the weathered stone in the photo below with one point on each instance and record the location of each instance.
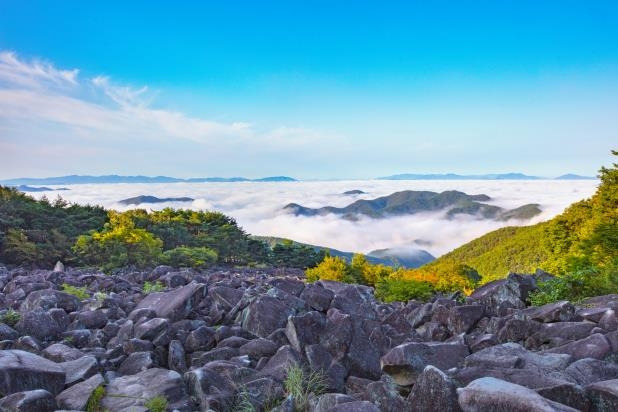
(59, 352)
(433, 391)
(499, 295)
(326, 402)
(175, 304)
(264, 315)
(201, 339)
(604, 395)
(258, 348)
(38, 400)
(280, 362)
(7, 332)
(562, 311)
(76, 396)
(305, 329)
(289, 285)
(513, 355)
(317, 297)
(127, 393)
(80, 369)
(150, 329)
(568, 394)
(595, 346)
(24, 371)
(586, 371)
(176, 357)
(50, 298)
(356, 406)
(137, 362)
(211, 390)
(40, 324)
(494, 395)
(385, 396)
(463, 318)
(405, 362)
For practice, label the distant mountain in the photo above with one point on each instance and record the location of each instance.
(452, 176)
(25, 188)
(400, 257)
(152, 199)
(410, 202)
(77, 179)
(354, 192)
(571, 176)
(404, 257)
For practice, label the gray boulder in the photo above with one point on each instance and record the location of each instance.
(433, 391)
(265, 315)
(76, 396)
(175, 304)
(604, 395)
(23, 371)
(38, 400)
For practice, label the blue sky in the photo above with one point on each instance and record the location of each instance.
(307, 89)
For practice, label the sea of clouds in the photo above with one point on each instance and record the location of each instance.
(258, 208)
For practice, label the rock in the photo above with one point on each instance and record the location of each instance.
(264, 315)
(76, 397)
(355, 299)
(50, 298)
(326, 402)
(305, 329)
(92, 319)
(80, 369)
(38, 400)
(405, 362)
(595, 346)
(494, 395)
(463, 318)
(137, 362)
(562, 311)
(568, 394)
(586, 371)
(59, 267)
(559, 333)
(356, 406)
(211, 390)
(150, 329)
(385, 396)
(24, 371)
(59, 352)
(201, 339)
(609, 321)
(127, 393)
(604, 395)
(513, 355)
(280, 362)
(258, 348)
(288, 285)
(176, 304)
(7, 332)
(317, 297)
(499, 295)
(176, 360)
(363, 356)
(39, 324)
(433, 391)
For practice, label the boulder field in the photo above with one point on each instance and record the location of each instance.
(226, 339)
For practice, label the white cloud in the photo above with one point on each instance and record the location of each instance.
(258, 208)
(34, 74)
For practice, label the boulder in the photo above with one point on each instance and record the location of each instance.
(326, 402)
(39, 324)
(176, 360)
(356, 406)
(137, 362)
(462, 319)
(317, 297)
(562, 311)
(59, 352)
(23, 371)
(176, 304)
(201, 339)
(405, 362)
(48, 299)
(80, 369)
(128, 393)
(495, 395)
(211, 390)
(305, 329)
(586, 371)
(38, 400)
(499, 295)
(594, 346)
(513, 355)
(258, 348)
(265, 315)
(433, 391)
(604, 395)
(76, 397)
(280, 362)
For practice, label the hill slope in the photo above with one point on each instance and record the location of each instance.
(584, 235)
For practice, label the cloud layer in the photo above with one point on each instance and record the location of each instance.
(258, 208)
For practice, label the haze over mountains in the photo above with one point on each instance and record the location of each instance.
(87, 179)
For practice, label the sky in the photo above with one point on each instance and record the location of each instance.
(312, 90)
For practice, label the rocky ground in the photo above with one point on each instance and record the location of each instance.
(226, 340)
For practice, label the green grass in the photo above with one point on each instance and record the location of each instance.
(79, 293)
(10, 317)
(156, 404)
(150, 287)
(94, 401)
(300, 383)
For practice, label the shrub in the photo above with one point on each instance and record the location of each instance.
(79, 292)
(331, 268)
(577, 285)
(10, 317)
(150, 287)
(300, 383)
(189, 257)
(156, 404)
(402, 290)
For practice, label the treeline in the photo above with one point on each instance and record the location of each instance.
(580, 246)
(43, 232)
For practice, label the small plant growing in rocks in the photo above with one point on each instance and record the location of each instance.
(150, 287)
(10, 317)
(79, 292)
(156, 404)
(100, 296)
(300, 383)
(94, 401)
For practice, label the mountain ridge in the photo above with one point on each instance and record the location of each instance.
(89, 179)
